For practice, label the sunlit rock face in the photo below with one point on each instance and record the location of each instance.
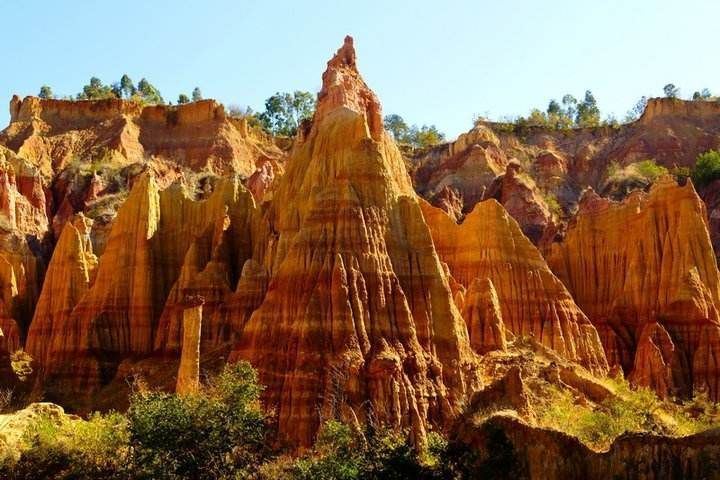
(645, 274)
(358, 319)
(489, 245)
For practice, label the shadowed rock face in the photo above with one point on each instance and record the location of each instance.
(489, 245)
(358, 319)
(644, 272)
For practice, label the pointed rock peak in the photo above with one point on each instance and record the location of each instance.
(343, 87)
(345, 56)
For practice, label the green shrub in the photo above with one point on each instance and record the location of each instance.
(643, 172)
(342, 453)
(707, 168)
(650, 170)
(73, 449)
(216, 433)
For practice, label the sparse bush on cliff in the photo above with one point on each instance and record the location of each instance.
(650, 170)
(637, 174)
(707, 168)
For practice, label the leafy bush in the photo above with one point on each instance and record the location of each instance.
(643, 172)
(216, 433)
(707, 168)
(650, 170)
(72, 449)
(342, 453)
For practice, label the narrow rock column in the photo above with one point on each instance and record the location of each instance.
(188, 378)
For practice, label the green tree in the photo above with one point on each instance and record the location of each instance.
(588, 113)
(127, 87)
(397, 127)
(637, 110)
(182, 98)
(46, 92)
(702, 95)
(148, 93)
(196, 95)
(96, 90)
(707, 168)
(425, 136)
(554, 108)
(569, 106)
(671, 91)
(285, 111)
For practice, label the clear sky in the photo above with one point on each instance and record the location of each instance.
(438, 62)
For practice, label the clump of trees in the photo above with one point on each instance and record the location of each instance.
(418, 137)
(284, 112)
(196, 97)
(143, 92)
(568, 113)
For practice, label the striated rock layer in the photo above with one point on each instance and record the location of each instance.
(489, 245)
(559, 163)
(358, 321)
(160, 249)
(644, 272)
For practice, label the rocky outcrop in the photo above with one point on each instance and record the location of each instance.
(489, 245)
(68, 278)
(517, 192)
(188, 377)
(562, 162)
(644, 272)
(198, 135)
(23, 240)
(358, 319)
(483, 315)
(506, 447)
(162, 247)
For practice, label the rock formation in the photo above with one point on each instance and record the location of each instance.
(67, 279)
(562, 162)
(489, 245)
(162, 247)
(644, 272)
(197, 135)
(483, 315)
(358, 319)
(188, 377)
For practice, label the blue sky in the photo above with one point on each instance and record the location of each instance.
(438, 62)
